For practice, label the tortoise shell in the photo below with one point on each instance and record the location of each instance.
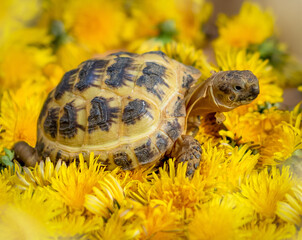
(127, 108)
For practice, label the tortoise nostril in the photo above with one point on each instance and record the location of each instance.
(232, 97)
(255, 89)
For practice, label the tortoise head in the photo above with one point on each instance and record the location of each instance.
(234, 88)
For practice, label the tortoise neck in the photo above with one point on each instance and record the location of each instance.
(201, 100)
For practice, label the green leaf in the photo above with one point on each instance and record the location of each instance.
(57, 29)
(9, 153)
(167, 30)
(5, 160)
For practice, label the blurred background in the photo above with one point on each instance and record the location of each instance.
(46, 38)
(42, 39)
(288, 19)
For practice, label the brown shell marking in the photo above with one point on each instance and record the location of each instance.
(104, 117)
(123, 160)
(135, 110)
(152, 76)
(118, 72)
(89, 73)
(68, 121)
(101, 114)
(51, 122)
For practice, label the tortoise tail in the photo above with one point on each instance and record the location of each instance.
(26, 154)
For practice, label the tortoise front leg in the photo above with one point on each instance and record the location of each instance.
(187, 149)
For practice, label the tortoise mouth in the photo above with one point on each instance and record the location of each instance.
(244, 102)
(245, 99)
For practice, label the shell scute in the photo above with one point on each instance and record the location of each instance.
(139, 117)
(153, 79)
(50, 124)
(89, 74)
(135, 110)
(72, 123)
(66, 84)
(101, 114)
(174, 127)
(124, 158)
(104, 117)
(146, 151)
(176, 106)
(118, 74)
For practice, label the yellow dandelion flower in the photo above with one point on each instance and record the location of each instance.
(232, 59)
(28, 226)
(265, 189)
(221, 218)
(130, 180)
(205, 135)
(6, 191)
(193, 14)
(22, 51)
(106, 198)
(41, 175)
(18, 117)
(281, 144)
(298, 235)
(52, 15)
(266, 230)
(239, 164)
(72, 183)
(159, 221)
(290, 210)
(95, 24)
(189, 55)
(16, 14)
(250, 26)
(68, 226)
(145, 45)
(173, 185)
(212, 159)
(70, 55)
(261, 125)
(273, 132)
(53, 73)
(9, 172)
(147, 21)
(224, 168)
(138, 174)
(121, 225)
(31, 213)
(184, 19)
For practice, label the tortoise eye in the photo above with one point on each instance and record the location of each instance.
(238, 88)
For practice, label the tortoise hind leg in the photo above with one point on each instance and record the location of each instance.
(26, 154)
(187, 149)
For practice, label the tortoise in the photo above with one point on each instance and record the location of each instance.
(132, 110)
